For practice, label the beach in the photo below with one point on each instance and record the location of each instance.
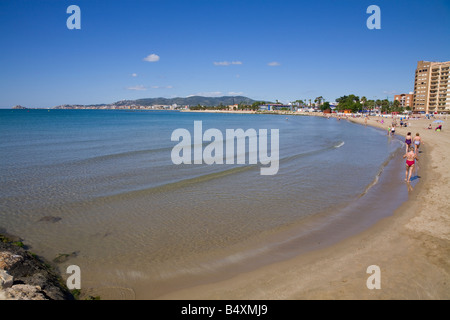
(291, 243)
(411, 247)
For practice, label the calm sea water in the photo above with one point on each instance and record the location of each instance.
(132, 216)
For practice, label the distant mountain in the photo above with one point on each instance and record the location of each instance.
(19, 107)
(148, 102)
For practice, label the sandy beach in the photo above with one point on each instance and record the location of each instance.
(411, 247)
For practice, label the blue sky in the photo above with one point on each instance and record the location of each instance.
(265, 50)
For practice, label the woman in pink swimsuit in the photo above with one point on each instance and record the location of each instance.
(411, 158)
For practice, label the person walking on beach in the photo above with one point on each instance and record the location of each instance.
(417, 142)
(408, 141)
(411, 158)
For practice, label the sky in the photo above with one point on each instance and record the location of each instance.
(263, 49)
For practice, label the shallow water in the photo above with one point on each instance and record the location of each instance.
(134, 217)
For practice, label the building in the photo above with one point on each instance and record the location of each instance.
(405, 100)
(431, 90)
(275, 106)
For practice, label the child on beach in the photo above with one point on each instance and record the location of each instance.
(410, 163)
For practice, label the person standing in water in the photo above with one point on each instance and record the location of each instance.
(417, 142)
(408, 141)
(411, 158)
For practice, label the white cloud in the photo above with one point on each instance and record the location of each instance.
(134, 74)
(391, 92)
(162, 87)
(274, 64)
(207, 94)
(152, 58)
(231, 93)
(137, 88)
(227, 63)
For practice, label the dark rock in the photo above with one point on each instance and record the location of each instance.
(29, 270)
(51, 219)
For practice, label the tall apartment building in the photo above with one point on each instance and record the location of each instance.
(431, 87)
(405, 100)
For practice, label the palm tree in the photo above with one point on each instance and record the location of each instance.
(363, 100)
(319, 100)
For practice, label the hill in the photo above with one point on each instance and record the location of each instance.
(148, 102)
(195, 100)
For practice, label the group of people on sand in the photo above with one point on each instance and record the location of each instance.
(412, 150)
(438, 128)
(391, 129)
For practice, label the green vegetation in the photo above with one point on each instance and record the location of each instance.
(354, 104)
(350, 102)
(63, 257)
(4, 239)
(325, 106)
(18, 243)
(76, 293)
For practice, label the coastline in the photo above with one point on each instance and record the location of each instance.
(411, 247)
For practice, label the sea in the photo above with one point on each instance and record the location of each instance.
(99, 189)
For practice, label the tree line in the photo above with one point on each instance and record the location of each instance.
(351, 103)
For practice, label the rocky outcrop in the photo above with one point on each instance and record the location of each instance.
(23, 276)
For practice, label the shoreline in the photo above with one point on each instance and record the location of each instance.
(411, 244)
(411, 247)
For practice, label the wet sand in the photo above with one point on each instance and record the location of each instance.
(411, 247)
